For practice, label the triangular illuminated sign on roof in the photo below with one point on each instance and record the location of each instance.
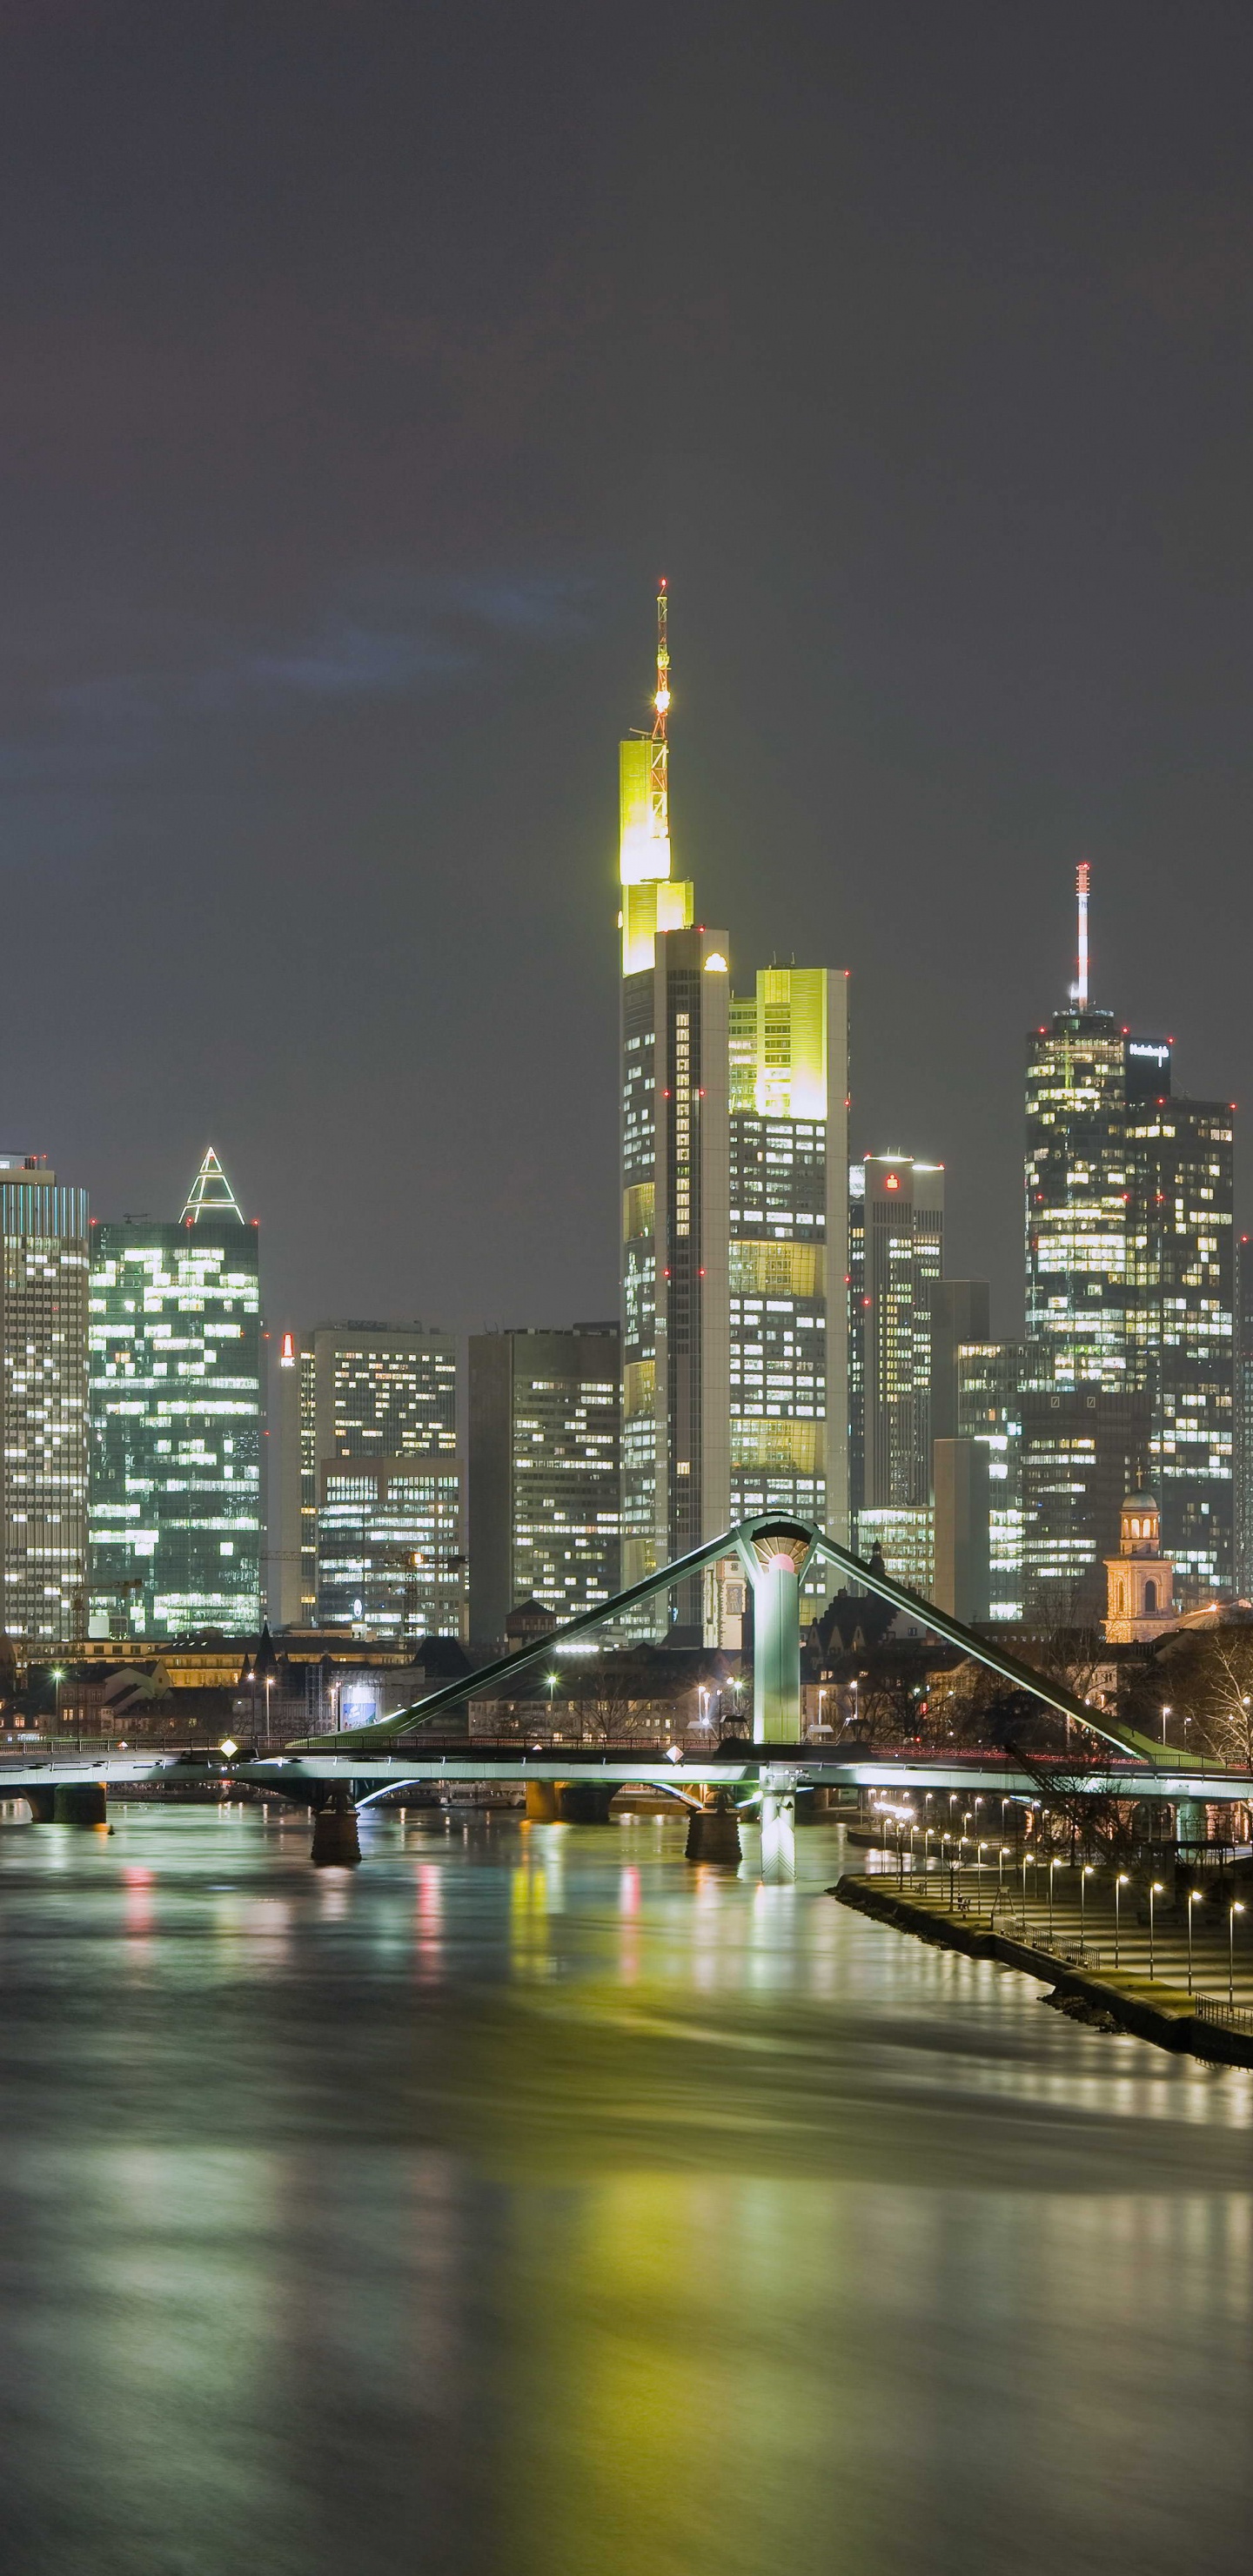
(211, 1193)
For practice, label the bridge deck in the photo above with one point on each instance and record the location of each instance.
(802, 1764)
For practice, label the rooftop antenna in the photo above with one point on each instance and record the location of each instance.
(659, 771)
(1083, 877)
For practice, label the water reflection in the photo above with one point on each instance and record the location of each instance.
(528, 2199)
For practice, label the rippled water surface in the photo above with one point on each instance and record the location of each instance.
(530, 2201)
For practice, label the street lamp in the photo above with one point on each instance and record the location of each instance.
(1231, 1956)
(1084, 1875)
(1194, 1898)
(1001, 1856)
(1052, 1867)
(980, 1849)
(1120, 1882)
(1165, 1714)
(1155, 1889)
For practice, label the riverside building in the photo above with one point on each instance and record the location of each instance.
(44, 1258)
(176, 1414)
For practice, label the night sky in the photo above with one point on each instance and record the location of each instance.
(363, 365)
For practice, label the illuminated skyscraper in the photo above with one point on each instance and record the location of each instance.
(1242, 1442)
(1181, 1261)
(176, 1405)
(674, 1029)
(734, 1210)
(43, 1354)
(896, 1256)
(1130, 1285)
(378, 1427)
(544, 1472)
(788, 1246)
(1077, 1284)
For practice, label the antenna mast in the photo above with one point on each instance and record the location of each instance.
(1083, 875)
(659, 765)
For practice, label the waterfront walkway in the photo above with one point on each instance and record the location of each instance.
(1185, 1956)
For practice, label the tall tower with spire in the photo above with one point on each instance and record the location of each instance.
(674, 1057)
(734, 1180)
(1129, 1260)
(174, 1353)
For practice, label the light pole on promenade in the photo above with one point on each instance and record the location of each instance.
(1155, 1889)
(1194, 1898)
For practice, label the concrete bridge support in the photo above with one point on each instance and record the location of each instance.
(42, 1804)
(778, 1828)
(79, 1802)
(775, 1561)
(585, 1802)
(713, 1832)
(336, 1841)
(541, 1802)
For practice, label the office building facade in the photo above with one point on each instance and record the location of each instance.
(380, 1482)
(1242, 1420)
(1181, 1265)
(44, 1263)
(896, 1256)
(734, 1332)
(1130, 1267)
(989, 1378)
(788, 1220)
(176, 1420)
(544, 1473)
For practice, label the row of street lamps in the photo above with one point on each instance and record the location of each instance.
(955, 1861)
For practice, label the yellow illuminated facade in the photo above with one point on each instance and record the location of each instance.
(734, 1210)
(788, 1250)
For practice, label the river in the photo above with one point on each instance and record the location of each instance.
(530, 2202)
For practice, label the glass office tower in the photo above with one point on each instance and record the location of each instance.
(176, 1414)
(43, 1353)
(734, 1221)
(1130, 1286)
(1076, 1178)
(380, 1482)
(788, 1219)
(544, 1472)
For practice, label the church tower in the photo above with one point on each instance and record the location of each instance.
(1140, 1580)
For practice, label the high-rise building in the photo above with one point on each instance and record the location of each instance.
(989, 1381)
(896, 1256)
(788, 1246)
(961, 1315)
(715, 1306)
(1130, 1264)
(1242, 1442)
(288, 1604)
(544, 1472)
(176, 1413)
(43, 1352)
(1081, 1448)
(378, 1427)
(1181, 1263)
(1077, 1284)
